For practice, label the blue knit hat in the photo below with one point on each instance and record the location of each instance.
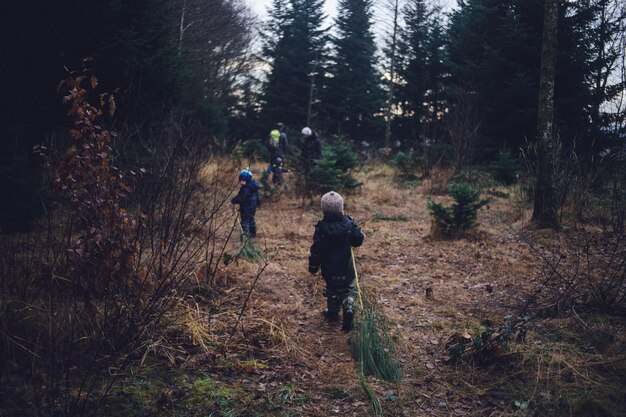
(245, 175)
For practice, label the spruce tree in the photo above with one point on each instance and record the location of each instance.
(353, 96)
(592, 34)
(295, 47)
(494, 56)
(414, 39)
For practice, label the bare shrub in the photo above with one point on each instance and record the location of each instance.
(585, 266)
(439, 179)
(462, 125)
(580, 186)
(104, 281)
(216, 38)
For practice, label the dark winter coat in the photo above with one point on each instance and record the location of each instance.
(331, 250)
(248, 198)
(310, 151)
(283, 144)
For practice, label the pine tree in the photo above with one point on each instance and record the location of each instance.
(494, 55)
(413, 72)
(353, 95)
(295, 47)
(334, 170)
(276, 37)
(594, 30)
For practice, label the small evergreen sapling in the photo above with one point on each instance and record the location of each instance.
(325, 176)
(334, 170)
(252, 150)
(505, 167)
(461, 215)
(407, 164)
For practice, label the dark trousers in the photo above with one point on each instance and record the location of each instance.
(338, 298)
(248, 224)
(277, 173)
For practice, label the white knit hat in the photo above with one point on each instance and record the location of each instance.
(332, 203)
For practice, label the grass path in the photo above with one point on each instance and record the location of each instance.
(469, 280)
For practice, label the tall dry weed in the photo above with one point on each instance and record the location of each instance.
(76, 308)
(439, 180)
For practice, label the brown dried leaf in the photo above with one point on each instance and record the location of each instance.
(112, 106)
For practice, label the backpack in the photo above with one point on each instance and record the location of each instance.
(274, 139)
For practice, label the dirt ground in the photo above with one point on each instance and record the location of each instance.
(475, 280)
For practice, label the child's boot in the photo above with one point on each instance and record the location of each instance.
(331, 315)
(348, 321)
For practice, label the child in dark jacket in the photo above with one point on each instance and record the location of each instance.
(248, 200)
(334, 237)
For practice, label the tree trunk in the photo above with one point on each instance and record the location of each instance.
(392, 74)
(545, 213)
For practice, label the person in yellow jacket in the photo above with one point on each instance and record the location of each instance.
(277, 146)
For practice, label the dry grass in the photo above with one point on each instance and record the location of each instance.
(398, 262)
(438, 182)
(470, 281)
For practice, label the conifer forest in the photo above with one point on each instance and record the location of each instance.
(285, 208)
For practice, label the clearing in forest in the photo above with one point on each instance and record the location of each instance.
(283, 359)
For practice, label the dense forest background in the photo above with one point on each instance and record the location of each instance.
(463, 85)
(124, 289)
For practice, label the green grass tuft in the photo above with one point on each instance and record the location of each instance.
(250, 251)
(372, 345)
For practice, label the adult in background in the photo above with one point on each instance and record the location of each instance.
(310, 151)
(283, 143)
(277, 146)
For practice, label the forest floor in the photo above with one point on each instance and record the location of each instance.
(285, 360)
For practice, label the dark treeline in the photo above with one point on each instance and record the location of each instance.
(184, 57)
(466, 82)
(485, 59)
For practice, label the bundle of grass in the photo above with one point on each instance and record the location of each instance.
(372, 346)
(249, 250)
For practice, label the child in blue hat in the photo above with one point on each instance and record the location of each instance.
(248, 200)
